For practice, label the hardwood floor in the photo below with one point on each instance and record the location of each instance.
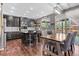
(76, 52)
(15, 48)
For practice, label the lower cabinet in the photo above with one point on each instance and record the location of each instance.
(13, 35)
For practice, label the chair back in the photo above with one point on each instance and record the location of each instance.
(73, 37)
(67, 42)
(49, 32)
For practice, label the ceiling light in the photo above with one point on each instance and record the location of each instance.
(11, 11)
(13, 8)
(27, 11)
(31, 8)
(24, 14)
(57, 11)
(59, 6)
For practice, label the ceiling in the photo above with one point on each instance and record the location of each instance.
(29, 10)
(34, 10)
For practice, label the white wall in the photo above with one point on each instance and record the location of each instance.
(74, 14)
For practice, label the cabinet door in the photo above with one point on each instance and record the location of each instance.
(9, 21)
(9, 36)
(13, 35)
(12, 21)
(24, 22)
(16, 22)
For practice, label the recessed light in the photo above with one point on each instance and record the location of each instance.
(27, 11)
(13, 8)
(31, 8)
(11, 11)
(24, 14)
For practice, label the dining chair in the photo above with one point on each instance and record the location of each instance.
(66, 46)
(50, 43)
(73, 41)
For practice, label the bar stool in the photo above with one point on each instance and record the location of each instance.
(30, 38)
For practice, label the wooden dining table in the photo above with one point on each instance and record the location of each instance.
(57, 38)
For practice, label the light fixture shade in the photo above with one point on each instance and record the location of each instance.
(57, 12)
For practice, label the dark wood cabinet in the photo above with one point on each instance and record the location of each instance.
(12, 21)
(13, 35)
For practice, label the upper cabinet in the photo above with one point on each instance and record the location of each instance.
(12, 21)
(24, 22)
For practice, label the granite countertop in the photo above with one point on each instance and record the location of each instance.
(11, 31)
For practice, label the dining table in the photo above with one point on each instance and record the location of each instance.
(57, 39)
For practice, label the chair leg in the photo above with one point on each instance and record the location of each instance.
(72, 49)
(53, 49)
(65, 53)
(43, 53)
(69, 53)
